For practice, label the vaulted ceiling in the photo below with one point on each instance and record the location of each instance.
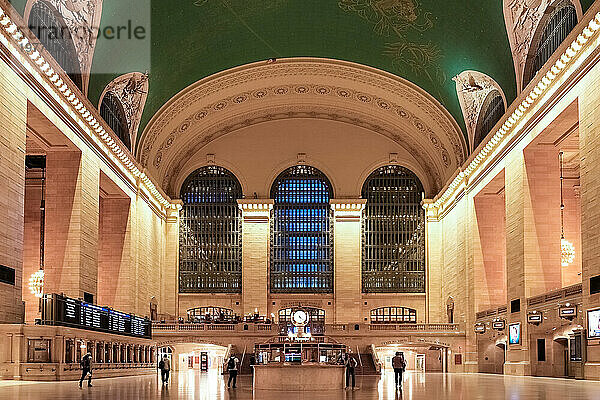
(425, 41)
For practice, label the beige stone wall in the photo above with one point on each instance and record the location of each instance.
(114, 253)
(347, 266)
(589, 142)
(13, 117)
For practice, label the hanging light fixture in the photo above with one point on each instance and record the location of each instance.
(567, 250)
(36, 281)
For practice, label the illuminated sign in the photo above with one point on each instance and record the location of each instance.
(567, 312)
(534, 317)
(480, 327)
(499, 324)
(64, 311)
(514, 333)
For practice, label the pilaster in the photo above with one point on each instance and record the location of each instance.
(347, 214)
(256, 215)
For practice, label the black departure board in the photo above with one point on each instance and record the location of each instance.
(61, 310)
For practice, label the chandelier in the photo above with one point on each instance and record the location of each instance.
(36, 283)
(567, 250)
(36, 280)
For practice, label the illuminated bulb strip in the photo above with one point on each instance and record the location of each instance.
(496, 140)
(84, 113)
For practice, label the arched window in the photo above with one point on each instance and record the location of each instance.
(210, 251)
(393, 232)
(112, 112)
(492, 110)
(50, 29)
(393, 315)
(552, 32)
(301, 242)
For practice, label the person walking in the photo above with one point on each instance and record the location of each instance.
(232, 368)
(399, 365)
(350, 364)
(165, 368)
(86, 368)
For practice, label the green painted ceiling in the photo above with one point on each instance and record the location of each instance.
(427, 42)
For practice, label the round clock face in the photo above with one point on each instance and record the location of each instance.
(300, 318)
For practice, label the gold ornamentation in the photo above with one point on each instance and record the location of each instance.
(396, 18)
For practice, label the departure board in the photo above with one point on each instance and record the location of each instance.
(62, 310)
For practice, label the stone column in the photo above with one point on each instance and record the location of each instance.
(347, 286)
(169, 275)
(434, 260)
(13, 123)
(256, 214)
(532, 198)
(72, 217)
(589, 147)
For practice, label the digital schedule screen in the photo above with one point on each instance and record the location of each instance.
(593, 322)
(62, 310)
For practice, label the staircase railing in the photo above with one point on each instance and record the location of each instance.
(376, 361)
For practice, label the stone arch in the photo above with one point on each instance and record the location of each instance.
(473, 88)
(82, 18)
(131, 90)
(306, 88)
(522, 19)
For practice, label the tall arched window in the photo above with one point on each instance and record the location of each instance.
(492, 110)
(50, 29)
(393, 232)
(301, 234)
(551, 33)
(210, 251)
(112, 112)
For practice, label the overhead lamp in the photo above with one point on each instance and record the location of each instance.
(567, 250)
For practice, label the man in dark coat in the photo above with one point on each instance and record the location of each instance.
(86, 368)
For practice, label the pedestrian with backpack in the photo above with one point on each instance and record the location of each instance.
(351, 365)
(399, 365)
(232, 368)
(165, 367)
(86, 368)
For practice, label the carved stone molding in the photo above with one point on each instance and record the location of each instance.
(334, 89)
(132, 90)
(522, 18)
(472, 88)
(170, 173)
(82, 18)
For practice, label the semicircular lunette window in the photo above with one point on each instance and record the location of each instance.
(491, 112)
(393, 251)
(552, 33)
(112, 112)
(48, 26)
(210, 243)
(301, 234)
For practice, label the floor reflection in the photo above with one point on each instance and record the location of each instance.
(417, 386)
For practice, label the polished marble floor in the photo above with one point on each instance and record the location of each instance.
(194, 385)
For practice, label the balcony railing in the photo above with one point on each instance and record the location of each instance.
(329, 328)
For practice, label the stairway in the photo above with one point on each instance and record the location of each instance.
(368, 365)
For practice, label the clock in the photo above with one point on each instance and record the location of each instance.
(300, 318)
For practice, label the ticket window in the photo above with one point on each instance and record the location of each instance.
(38, 350)
(90, 349)
(107, 358)
(69, 345)
(78, 351)
(99, 351)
